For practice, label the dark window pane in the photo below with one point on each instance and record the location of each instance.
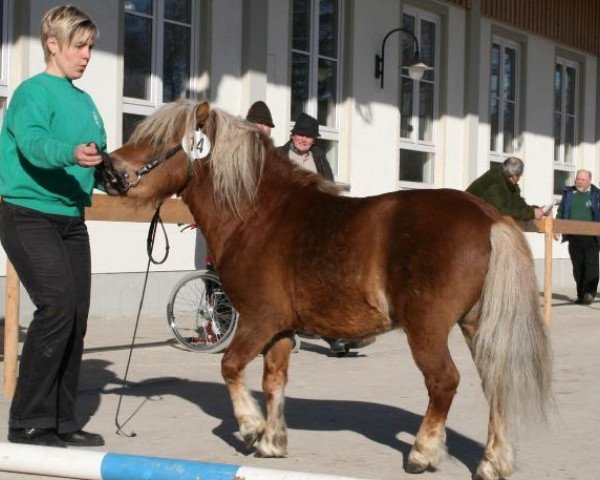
(495, 73)
(178, 10)
(299, 84)
(130, 121)
(569, 138)
(328, 22)
(426, 111)
(176, 70)
(139, 6)
(408, 44)
(301, 25)
(558, 87)
(509, 127)
(428, 48)
(557, 137)
(494, 122)
(327, 88)
(137, 57)
(416, 166)
(561, 180)
(406, 107)
(509, 81)
(330, 147)
(570, 90)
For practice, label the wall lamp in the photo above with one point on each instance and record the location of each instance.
(415, 70)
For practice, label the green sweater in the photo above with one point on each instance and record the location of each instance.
(502, 194)
(47, 118)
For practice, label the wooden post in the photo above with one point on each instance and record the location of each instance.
(11, 330)
(549, 238)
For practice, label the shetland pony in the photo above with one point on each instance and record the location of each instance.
(296, 255)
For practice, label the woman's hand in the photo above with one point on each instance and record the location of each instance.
(87, 155)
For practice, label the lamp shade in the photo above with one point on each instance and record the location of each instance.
(417, 70)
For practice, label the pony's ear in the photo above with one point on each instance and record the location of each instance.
(201, 114)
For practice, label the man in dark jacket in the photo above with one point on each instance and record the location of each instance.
(302, 148)
(499, 188)
(582, 202)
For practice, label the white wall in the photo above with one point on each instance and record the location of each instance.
(370, 119)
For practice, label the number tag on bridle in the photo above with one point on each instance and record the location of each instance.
(198, 147)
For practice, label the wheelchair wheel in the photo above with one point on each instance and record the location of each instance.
(199, 313)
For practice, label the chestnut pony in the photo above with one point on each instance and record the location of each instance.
(295, 255)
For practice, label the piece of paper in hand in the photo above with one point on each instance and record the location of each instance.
(546, 208)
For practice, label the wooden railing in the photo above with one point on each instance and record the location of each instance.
(175, 211)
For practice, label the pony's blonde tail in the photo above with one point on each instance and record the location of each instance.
(511, 348)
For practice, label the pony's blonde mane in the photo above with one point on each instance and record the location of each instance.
(237, 159)
(172, 122)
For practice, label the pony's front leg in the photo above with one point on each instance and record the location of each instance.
(498, 460)
(245, 408)
(276, 361)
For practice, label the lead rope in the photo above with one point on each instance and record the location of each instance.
(149, 247)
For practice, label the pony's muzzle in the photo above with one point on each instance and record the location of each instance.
(114, 181)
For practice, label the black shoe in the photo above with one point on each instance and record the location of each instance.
(35, 436)
(339, 346)
(587, 299)
(80, 438)
(362, 343)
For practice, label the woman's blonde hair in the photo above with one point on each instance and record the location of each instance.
(66, 23)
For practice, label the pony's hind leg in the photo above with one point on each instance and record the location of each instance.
(432, 356)
(498, 460)
(273, 443)
(240, 352)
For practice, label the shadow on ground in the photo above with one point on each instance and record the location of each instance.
(377, 422)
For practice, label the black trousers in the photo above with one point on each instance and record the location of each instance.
(584, 252)
(51, 254)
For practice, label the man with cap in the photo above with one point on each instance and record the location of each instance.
(260, 114)
(301, 149)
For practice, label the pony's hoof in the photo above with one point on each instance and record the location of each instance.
(265, 450)
(486, 471)
(417, 462)
(250, 436)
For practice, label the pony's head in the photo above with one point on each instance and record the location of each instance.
(183, 141)
(158, 159)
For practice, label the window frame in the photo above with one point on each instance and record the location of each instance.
(328, 133)
(145, 107)
(499, 155)
(413, 143)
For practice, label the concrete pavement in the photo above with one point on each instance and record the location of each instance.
(353, 416)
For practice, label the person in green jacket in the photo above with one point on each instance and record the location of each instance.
(499, 187)
(50, 142)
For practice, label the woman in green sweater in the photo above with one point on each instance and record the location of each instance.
(49, 145)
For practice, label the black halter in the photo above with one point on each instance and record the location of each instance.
(122, 181)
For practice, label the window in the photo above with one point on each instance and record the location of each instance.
(418, 100)
(565, 122)
(159, 53)
(316, 68)
(504, 99)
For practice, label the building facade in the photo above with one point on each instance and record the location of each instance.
(507, 78)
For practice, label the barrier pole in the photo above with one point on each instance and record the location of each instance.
(11, 330)
(93, 465)
(549, 239)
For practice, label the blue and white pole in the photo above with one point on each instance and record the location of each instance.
(90, 465)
